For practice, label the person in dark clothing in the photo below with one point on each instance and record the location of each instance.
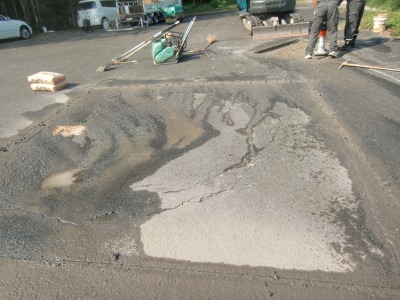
(325, 10)
(354, 13)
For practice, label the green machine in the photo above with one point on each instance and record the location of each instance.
(172, 10)
(169, 47)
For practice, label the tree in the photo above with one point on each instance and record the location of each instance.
(55, 14)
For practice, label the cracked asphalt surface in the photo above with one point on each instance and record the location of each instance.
(228, 175)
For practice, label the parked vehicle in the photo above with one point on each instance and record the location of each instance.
(96, 12)
(151, 11)
(14, 28)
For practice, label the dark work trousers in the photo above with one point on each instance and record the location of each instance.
(327, 10)
(354, 13)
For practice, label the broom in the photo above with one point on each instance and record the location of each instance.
(211, 39)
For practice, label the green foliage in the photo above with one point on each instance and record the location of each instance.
(54, 14)
(48, 19)
(209, 6)
(389, 5)
(367, 21)
(393, 23)
(218, 3)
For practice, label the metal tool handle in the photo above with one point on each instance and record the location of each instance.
(124, 56)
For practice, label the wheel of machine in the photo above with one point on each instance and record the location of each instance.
(247, 26)
(295, 18)
(155, 19)
(24, 33)
(249, 22)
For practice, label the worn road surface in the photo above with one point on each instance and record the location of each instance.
(230, 175)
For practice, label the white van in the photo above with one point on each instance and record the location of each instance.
(97, 12)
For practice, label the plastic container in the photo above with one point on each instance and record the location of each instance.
(380, 23)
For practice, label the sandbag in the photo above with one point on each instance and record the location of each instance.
(48, 87)
(46, 77)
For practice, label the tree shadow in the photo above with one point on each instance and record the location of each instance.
(78, 35)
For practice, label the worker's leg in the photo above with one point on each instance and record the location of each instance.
(360, 5)
(332, 22)
(350, 21)
(319, 18)
(348, 31)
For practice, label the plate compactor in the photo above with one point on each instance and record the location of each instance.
(266, 19)
(167, 47)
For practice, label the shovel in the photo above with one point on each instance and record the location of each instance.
(348, 64)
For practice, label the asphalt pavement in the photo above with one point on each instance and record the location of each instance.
(376, 51)
(372, 49)
(231, 174)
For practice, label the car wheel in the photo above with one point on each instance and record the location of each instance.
(155, 19)
(105, 23)
(24, 33)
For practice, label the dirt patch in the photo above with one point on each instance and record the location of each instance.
(291, 51)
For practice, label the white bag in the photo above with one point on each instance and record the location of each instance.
(48, 87)
(46, 77)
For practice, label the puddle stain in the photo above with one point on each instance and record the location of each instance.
(184, 121)
(113, 144)
(60, 179)
(118, 148)
(181, 133)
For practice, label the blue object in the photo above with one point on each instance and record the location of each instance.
(242, 5)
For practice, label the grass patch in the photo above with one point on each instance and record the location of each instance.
(367, 21)
(392, 23)
(388, 7)
(213, 6)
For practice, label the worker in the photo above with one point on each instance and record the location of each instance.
(325, 10)
(354, 13)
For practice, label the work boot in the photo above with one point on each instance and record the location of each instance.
(353, 41)
(333, 54)
(346, 46)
